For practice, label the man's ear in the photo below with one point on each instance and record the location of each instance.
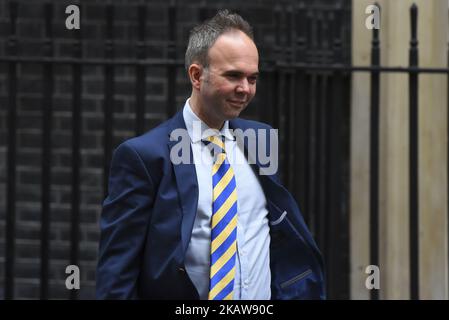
(195, 73)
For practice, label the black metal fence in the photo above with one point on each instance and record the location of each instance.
(375, 70)
(413, 72)
(304, 91)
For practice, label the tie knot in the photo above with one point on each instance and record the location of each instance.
(215, 144)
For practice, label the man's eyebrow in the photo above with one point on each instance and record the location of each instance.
(237, 72)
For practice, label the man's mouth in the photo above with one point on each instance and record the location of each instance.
(238, 103)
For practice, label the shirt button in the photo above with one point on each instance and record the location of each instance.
(243, 252)
(246, 283)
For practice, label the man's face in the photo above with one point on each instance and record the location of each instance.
(229, 83)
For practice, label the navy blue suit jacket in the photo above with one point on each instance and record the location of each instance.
(148, 216)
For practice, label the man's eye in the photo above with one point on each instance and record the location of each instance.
(252, 79)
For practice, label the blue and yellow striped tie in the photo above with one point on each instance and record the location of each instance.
(223, 225)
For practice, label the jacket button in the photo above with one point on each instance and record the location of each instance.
(181, 270)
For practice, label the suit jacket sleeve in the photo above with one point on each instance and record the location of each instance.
(124, 224)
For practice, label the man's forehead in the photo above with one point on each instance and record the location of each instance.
(234, 50)
(235, 66)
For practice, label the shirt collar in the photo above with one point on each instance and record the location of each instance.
(198, 130)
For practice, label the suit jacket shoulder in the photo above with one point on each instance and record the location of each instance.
(248, 124)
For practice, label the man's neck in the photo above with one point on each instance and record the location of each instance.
(197, 108)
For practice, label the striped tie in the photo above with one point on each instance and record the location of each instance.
(223, 225)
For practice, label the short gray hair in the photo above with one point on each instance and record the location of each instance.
(203, 36)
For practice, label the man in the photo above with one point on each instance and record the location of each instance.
(211, 227)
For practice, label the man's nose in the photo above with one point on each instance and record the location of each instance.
(243, 86)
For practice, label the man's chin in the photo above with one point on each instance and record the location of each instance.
(233, 114)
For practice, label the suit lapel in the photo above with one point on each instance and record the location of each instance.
(186, 183)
